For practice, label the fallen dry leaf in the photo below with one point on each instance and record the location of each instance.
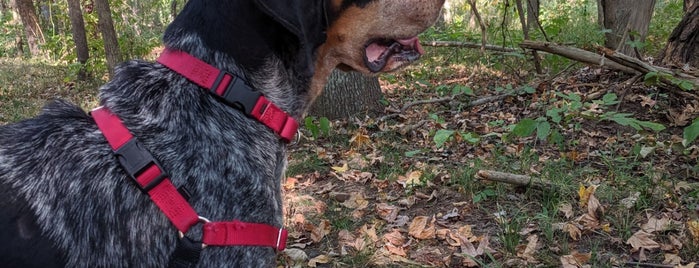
(689, 265)
(290, 183)
(360, 139)
(672, 259)
(527, 252)
(319, 259)
(356, 201)
(396, 250)
(594, 208)
(394, 238)
(472, 252)
(341, 169)
(370, 232)
(575, 260)
(296, 254)
(642, 240)
(693, 227)
(318, 233)
(387, 212)
(657, 225)
(630, 201)
(573, 230)
(420, 229)
(584, 194)
(566, 209)
(410, 179)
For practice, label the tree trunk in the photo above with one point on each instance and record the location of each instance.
(532, 14)
(111, 44)
(683, 44)
(348, 94)
(32, 30)
(78, 28)
(628, 20)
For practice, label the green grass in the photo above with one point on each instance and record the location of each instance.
(26, 86)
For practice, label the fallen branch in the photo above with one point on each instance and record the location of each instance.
(515, 179)
(468, 45)
(477, 102)
(576, 54)
(613, 60)
(644, 67)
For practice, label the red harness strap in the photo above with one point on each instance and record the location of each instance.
(233, 90)
(152, 179)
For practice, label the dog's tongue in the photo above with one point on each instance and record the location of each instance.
(377, 54)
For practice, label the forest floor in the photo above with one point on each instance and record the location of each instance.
(399, 189)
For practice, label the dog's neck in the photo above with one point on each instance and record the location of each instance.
(249, 44)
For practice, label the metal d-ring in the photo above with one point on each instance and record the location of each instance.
(199, 220)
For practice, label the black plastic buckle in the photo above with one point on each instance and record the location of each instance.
(187, 253)
(238, 94)
(135, 160)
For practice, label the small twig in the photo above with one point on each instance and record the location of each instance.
(477, 102)
(468, 45)
(645, 264)
(410, 128)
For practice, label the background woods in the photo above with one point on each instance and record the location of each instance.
(532, 133)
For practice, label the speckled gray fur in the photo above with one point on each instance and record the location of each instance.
(231, 164)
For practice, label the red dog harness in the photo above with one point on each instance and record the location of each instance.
(152, 179)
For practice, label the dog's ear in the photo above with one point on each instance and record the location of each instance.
(303, 18)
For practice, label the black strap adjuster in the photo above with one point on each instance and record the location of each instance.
(238, 93)
(135, 160)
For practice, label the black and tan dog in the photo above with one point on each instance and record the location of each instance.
(68, 201)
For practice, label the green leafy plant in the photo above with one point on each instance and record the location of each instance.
(318, 127)
(691, 133)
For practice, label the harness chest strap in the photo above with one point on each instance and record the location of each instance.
(233, 90)
(152, 179)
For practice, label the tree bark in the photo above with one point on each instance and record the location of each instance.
(484, 35)
(348, 94)
(532, 13)
(79, 37)
(628, 20)
(106, 26)
(32, 30)
(683, 44)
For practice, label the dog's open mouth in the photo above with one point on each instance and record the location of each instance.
(380, 51)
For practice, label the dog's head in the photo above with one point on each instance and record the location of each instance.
(369, 36)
